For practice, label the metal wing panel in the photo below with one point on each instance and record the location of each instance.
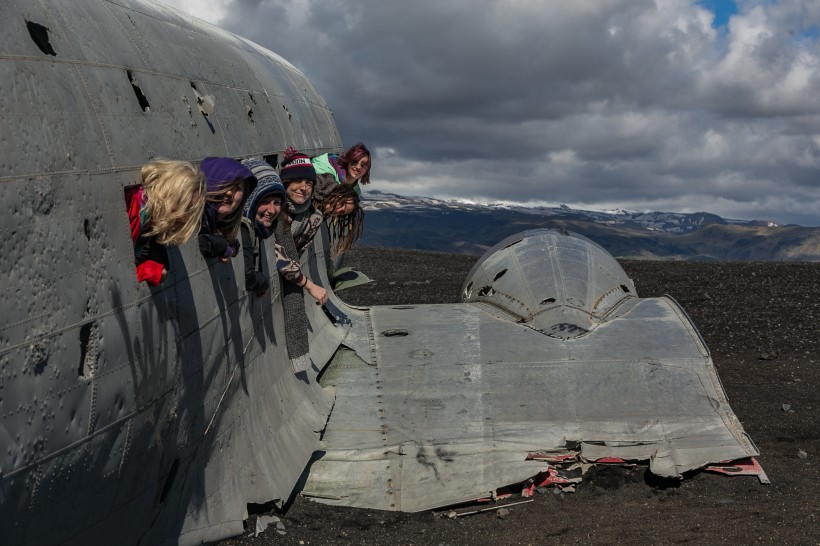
(362, 428)
(462, 393)
(647, 328)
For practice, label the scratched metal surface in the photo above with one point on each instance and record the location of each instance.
(460, 394)
(150, 415)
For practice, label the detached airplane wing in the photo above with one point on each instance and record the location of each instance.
(552, 352)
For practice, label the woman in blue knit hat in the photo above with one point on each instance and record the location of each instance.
(260, 221)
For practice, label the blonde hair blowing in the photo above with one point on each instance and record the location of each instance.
(175, 193)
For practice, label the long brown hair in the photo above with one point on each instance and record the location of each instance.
(344, 229)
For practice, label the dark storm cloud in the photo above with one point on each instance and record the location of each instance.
(628, 103)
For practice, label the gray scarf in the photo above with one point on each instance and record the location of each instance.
(293, 303)
(305, 221)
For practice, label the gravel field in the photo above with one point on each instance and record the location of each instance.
(760, 321)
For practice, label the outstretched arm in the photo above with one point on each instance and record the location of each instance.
(317, 292)
(291, 270)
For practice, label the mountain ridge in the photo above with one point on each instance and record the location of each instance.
(424, 223)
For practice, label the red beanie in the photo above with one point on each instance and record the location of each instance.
(296, 166)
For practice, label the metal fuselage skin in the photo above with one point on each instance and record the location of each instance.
(128, 413)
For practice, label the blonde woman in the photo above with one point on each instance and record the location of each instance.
(165, 210)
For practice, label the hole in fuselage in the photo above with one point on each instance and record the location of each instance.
(468, 291)
(141, 98)
(499, 275)
(271, 159)
(39, 34)
(85, 339)
(395, 333)
(486, 291)
(625, 288)
(548, 300)
(564, 330)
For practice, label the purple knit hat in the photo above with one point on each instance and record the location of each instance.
(222, 171)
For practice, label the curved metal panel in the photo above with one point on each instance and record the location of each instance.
(559, 283)
(461, 395)
(154, 415)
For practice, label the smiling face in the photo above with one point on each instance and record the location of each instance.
(268, 209)
(231, 199)
(299, 191)
(343, 207)
(357, 169)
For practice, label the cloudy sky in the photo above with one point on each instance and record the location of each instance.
(671, 105)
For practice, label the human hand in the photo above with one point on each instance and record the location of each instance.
(317, 292)
(230, 252)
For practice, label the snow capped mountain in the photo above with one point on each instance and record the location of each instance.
(667, 222)
(424, 223)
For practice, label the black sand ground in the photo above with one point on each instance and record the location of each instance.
(760, 321)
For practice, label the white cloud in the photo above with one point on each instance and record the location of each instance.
(629, 103)
(563, 157)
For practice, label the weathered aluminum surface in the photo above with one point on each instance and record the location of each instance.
(130, 414)
(557, 352)
(155, 415)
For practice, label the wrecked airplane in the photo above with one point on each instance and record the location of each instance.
(551, 358)
(156, 415)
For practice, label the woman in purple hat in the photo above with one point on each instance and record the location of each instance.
(228, 183)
